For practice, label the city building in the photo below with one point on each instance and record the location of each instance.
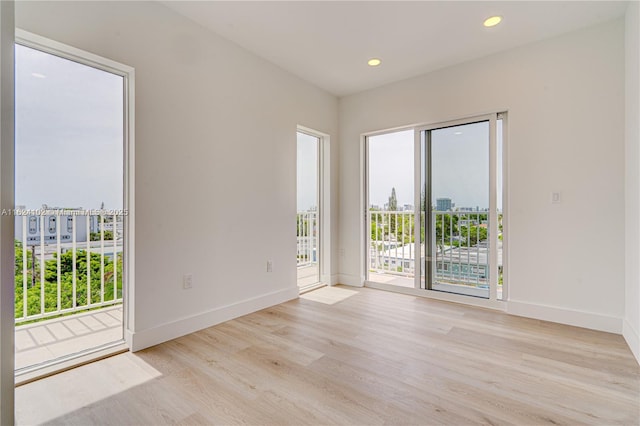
(443, 204)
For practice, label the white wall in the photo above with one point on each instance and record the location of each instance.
(631, 328)
(565, 98)
(215, 160)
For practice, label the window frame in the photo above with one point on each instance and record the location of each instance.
(492, 118)
(324, 205)
(52, 47)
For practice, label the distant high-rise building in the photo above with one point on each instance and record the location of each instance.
(443, 204)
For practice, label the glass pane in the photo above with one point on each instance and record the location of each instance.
(68, 166)
(459, 176)
(307, 220)
(391, 254)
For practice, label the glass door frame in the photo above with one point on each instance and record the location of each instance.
(324, 206)
(366, 201)
(127, 73)
(420, 278)
(425, 153)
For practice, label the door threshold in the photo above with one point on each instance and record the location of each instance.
(40, 371)
(311, 287)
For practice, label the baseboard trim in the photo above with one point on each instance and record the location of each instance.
(576, 318)
(630, 334)
(153, 336)
(352, 280)
(335, 279)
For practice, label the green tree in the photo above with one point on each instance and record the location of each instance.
(106, 268)
(96, 236)
(446, 226)
(473, 234)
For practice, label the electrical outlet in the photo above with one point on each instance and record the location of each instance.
(269, 266)
(341, 253)
(187, 281)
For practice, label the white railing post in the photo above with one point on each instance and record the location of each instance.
(42, 228)
(59, 264)
(74, 254)
(88, 227)
(115, 259)
(25, 263)
(101, 257)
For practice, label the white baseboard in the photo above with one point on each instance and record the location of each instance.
(352, 280)
(630, 334)
(576, 318)
(335, 279)
(145, 338)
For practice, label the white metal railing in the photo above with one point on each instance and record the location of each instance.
(307, 238)
(459, 248)
(66, 263)
(392, 236)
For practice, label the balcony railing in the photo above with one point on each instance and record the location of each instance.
(66, 263)
(392, 236)
(307, 233)
(459, 244)
(461, 248)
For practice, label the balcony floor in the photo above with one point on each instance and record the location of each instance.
(387, 278)
(47, 340)
(308, 275)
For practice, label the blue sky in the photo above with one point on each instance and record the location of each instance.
(69, 145)
(460, 165)
(69, 133)
(307, 175)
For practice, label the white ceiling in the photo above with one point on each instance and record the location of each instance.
(328, 43)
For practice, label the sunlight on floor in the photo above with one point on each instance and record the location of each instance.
(328, 295)
(60, 395)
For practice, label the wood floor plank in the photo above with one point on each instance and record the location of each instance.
(360, 357)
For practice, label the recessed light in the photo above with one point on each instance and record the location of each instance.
(38, 75)
(457, 133)
(374, 62)
(492, 21)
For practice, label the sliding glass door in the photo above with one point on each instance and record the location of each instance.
(391, 209)
(457, 170)
(457, 174)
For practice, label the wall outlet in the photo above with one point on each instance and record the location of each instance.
(187, 281)
(556, 198)
(341, 253)
(269, 266)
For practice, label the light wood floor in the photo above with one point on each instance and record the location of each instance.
(355, 356)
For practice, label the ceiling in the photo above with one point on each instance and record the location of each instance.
(328, 43)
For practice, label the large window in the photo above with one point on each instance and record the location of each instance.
(457, 246)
